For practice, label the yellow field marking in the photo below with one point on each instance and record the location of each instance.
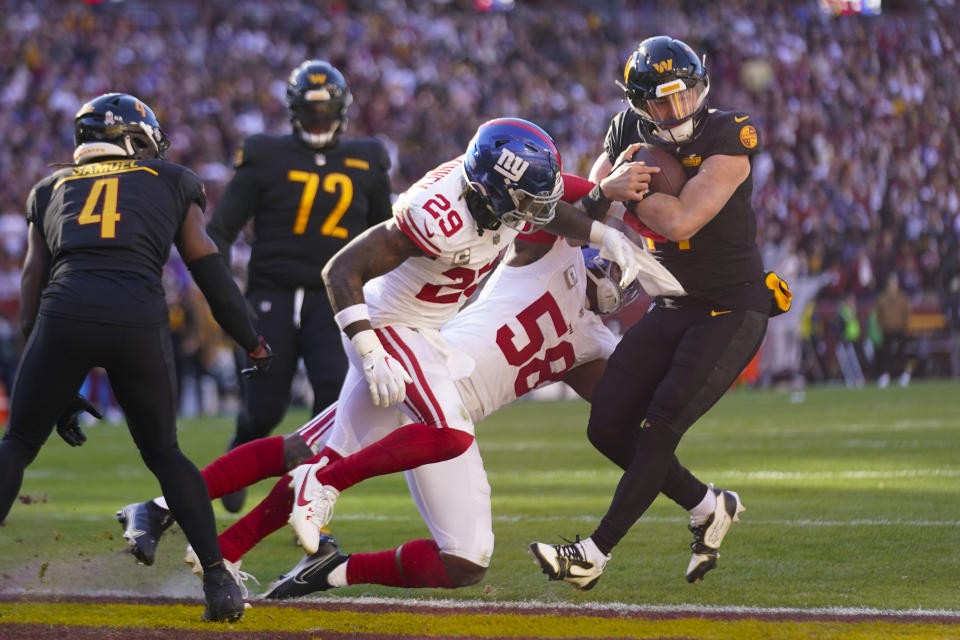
(279, 619)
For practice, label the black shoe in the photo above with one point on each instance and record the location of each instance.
(224, 601)
(233, 502)
(143, 523)
(311, 572)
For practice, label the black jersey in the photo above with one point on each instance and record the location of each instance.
(306, 204)
(109, 226)
(721, 262)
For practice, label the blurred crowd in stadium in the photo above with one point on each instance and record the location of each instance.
(859, 114)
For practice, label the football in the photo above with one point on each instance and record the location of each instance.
(672, 175)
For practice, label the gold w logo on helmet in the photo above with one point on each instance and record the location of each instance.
(666, 65)
(318, 78)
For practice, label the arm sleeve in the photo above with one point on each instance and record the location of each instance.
(226, 302)
(238, 203)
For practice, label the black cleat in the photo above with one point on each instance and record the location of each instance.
(233, 502)
(143, 524)
(224, 600)
(704, 550)
(310, 574)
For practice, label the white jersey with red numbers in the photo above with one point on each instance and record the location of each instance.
(427, 291)
(527, 327)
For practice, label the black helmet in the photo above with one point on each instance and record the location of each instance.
(317, 102)
(667, 85)
(117, 124)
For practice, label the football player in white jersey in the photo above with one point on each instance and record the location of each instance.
(396, 285)
(526, 328)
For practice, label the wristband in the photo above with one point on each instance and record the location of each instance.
(596, 203)
(366, 342)
(597, 232)
(353, 313)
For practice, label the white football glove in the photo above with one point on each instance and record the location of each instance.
(385, 375)
(616, 247)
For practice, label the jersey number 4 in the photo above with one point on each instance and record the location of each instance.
(556, 360)
(108, 216)
(332, 182)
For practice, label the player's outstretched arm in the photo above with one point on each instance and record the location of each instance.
(36, 270)
(570, 222)
(211, 274)
(373, 253)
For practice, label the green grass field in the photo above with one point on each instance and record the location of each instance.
(852, 500)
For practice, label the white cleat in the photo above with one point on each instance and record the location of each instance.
(708, 536)
(312, 505)
(580, 562)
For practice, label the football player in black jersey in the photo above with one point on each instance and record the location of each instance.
(686, 351)
(100, 231)
(309, 193)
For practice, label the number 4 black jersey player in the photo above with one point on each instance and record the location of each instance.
(680, 358)
(309, 193)
(100, 231)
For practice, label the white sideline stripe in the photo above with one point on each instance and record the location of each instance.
(623, 607)
(749, 475)
(379, 517)
(573, 607)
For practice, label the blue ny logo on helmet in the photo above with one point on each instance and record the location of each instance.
(514, 166)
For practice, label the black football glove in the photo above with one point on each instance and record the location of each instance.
(260, 363)
(68, 425)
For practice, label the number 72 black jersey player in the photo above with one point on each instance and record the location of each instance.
(308, 193)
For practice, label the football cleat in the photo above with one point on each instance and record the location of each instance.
(143, 524)
(233, 502)
(312, 505)
(310, 574)
(223, 595)
(233, 568)
(708, 536)
(579, 562)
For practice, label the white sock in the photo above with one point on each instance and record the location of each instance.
(338, 577)
(161, 502)
(700, 513)
(591, 551)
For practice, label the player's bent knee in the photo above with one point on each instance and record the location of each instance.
(295, 451)
(460, 571)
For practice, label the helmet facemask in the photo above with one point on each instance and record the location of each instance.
(604, 276)
(318, 119)
(520, 209)
(672, 113)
